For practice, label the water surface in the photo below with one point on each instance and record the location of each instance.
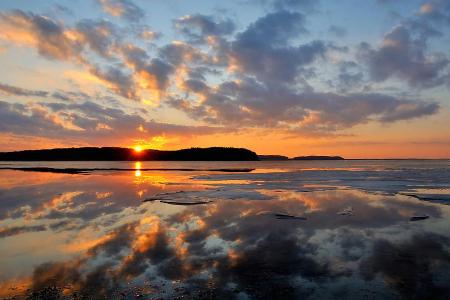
(285, 230)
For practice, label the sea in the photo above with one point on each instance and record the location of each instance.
(351, 229)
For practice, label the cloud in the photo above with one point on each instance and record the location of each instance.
(403, 56)
(153, 74)
(121, 83)
(11, 231)
(350, 77)
(178, 53)
(20, 119)
(56, 41)
(249, 103)
(149, 35)
(304, 5)
(264, 50)
(70, 95)
(17, 91)
(53, 40)
(337, 31)
(259, 77)
(436, 11)
(49, 37)
(125, 9)
(87, 122)
(197, 28)
(98, 35)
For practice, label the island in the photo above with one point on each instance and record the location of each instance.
(317, 157)
(273, 157)
(128, 154)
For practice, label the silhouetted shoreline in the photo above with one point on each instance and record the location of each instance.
(310, 157)
(273, 157)
(318, 157)
(127, 154)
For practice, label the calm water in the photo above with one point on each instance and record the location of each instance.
(286, 230)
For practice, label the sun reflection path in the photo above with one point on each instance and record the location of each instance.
(137, 167)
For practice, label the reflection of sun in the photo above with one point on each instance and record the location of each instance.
(137, 166)
(137, 148)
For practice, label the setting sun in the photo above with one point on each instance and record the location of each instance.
(138, 148)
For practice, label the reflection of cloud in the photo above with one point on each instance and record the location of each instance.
(234, 243)
(252, 253)
(410, 266)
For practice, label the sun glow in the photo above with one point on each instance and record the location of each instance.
(137, 148)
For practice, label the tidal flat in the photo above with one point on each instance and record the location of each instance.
(199, 230)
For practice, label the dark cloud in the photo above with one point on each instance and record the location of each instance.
(52, 40)
(264, 49)
(120, 82)
(144, 32)
(436, 11)
(154, 72)
(350, 77)
(401, 55)
(405, 51)
(87, 122)
(123, 8)
(304, 5)
(20, 119)
(58, 94)
(70, 95)
(337, 31)
(272, 87)
(10, 231)
(197, 28)
(262, 75)
(45, 34)
(252, 104)
(17, 91)
(181, 53)
(98, 35)
(160, 71)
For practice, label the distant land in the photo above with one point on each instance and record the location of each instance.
(310, 157)
(127, 154)
(273, 157)
(317, 157)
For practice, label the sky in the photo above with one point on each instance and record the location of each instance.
(360, 79)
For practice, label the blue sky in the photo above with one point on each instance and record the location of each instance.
(356, 78)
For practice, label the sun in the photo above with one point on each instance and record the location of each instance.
(137, 148)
